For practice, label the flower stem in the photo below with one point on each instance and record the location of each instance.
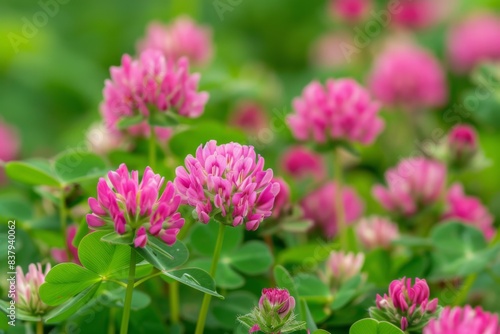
(339, 203)
(200, 325)
(39, 327)
(152, 148)
(63, 212)
(128, 295)
(111, 324)
(142, 280)
(174, 302)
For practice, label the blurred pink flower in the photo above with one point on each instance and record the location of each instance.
(231, 178)
(276, 301)
(60, 255)
(350, 10)
(376, 232)
(474, 40)
(300, 163)
(139, 208)
(150, 82)
(464, 320)
(282, 201)
(462, 143)
(420, 13)
(329, 50)
(408, 76)
(318, 206)
(341, 266)
(249, 116)
(407, 304)
(413, 184)
(9, 138)
(469, 210)
(27, 295)
(340, 110)
(181, 38)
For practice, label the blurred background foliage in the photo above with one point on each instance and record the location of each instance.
(50, 89)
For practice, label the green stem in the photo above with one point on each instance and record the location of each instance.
(142, 280)
(39, 327)
(471, 279)
(339, 202)
(64, 217)
(174, 302)
(111, 324)
(128, 295)
(152, 148)
(200, 325)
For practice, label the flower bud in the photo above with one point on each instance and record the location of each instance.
(462, 144)
(28, 287)
(406, 306)
(376, 232)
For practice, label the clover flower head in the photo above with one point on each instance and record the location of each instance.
(227, 182)
(139, 208)
(28, 286)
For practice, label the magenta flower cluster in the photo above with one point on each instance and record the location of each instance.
(182, 38)
(473, 41)
(229, 182)
(411, 185)
(340, 110)
(469, 210)
(276, 300)
(149, 82)
(464, 320)
(406, 305)
(139, 208)
(410, 77)
(318, 207)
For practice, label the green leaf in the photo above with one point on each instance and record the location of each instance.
(163, 119)
(235, 304)
(304, 309)
(185, 142)
(225, 276)
(204, 237)
(309, 285)
(195, 278)
(378, 267)
(320, 331)
(178, 254)
(372, 326)
(118, 239)
(314, 253)
(32, 172)
(12, 207)
(346, 293)
(75, 166)
(461, 249)
(64, 281)
(127, 122)
(66, 310)
(252, 258)
(103, 258)
(297, 226)
(140, 299)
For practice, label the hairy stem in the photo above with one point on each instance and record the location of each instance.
(200, 325)
(128, 296)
